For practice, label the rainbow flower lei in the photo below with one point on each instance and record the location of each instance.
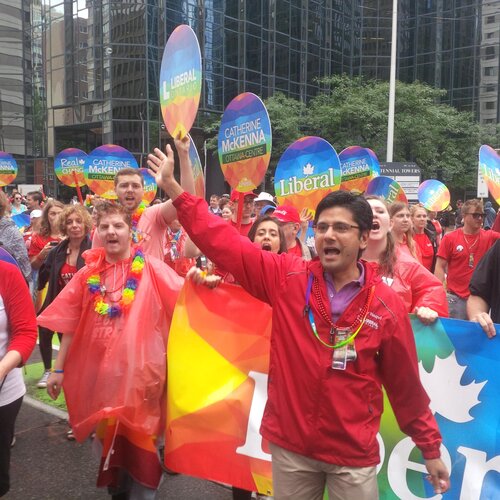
(136, 217)
(128, 294)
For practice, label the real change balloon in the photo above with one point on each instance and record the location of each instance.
(386, 188)
(68, 163)
(101, 166)
(433, 195)
(489, 165)
(245, 142)
(8, 168)
(199, 181)
(180, 81)
(358, 166)
(307, 171)
(150, 186)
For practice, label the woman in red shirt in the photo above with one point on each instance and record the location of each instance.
(402, 229)
(422, 238)
(48, 235)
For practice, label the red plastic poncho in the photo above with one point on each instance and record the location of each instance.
(115, 367)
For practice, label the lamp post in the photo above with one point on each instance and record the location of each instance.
(392, 82)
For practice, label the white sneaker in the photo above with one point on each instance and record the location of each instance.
(42, 383)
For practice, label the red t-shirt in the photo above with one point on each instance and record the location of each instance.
(67, 272)
(437, 226)
(244, 228)
(426, 251)
(296, 250)
(463, 253)
(38, 242)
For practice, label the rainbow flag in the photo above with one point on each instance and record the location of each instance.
(217, 388)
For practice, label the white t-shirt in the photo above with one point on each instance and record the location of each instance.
(13, 387)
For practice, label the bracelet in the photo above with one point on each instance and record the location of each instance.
(57, 371)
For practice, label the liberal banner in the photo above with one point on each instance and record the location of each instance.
(218, 358)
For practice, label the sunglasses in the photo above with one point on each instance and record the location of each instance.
(476, 215)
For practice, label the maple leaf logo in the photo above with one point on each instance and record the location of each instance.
(81, 162)
(448, 396)
(308, 169)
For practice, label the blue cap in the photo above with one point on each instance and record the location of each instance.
(266, 209)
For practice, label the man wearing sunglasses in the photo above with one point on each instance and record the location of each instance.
(338, 335)
(459, 254)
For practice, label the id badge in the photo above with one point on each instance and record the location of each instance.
(339, 359)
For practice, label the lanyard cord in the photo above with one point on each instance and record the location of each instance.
(308, 311)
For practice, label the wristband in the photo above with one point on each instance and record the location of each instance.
(57, 371)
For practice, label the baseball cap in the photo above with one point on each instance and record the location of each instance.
(267, 209)
(287, 213)
(235, 195)
(35, 214)
(265, 197)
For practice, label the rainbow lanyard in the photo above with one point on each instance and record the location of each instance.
(307, 309)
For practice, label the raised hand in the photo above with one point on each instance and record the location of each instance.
(162, 165)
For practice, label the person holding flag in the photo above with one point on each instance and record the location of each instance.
(338, 335)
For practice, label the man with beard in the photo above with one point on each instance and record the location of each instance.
(149, 224)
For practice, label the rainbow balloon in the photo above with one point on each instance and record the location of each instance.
(386, 188)
(358, 167)
(307, 171)
(68, 163)
(101, 166)
(180, 81)
(489, 165)
(245, 142)
(8, 168)
(433, 195)
(199, 180)
(150, 186)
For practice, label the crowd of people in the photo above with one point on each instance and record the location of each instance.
(106, 277)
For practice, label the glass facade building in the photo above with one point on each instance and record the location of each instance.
(83, 73)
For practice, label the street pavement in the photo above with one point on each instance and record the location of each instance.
(46, 466)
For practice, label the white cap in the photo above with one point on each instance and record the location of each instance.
(35, 214)
(265, 197)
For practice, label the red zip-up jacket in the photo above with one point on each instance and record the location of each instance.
(329, 415)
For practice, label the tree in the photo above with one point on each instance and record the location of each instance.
(443, 141)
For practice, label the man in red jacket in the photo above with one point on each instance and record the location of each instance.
(338, 335)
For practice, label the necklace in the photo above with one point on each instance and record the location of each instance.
(470, 246)
(98, 290)
(136, 217)
(335, 330)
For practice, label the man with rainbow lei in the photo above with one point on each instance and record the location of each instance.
(149, 224)
(115, 316)
(338, 335)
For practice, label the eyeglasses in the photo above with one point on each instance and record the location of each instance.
(476, 215)
(337, 227)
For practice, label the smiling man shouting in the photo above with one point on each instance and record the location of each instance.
(338, 335)
(149, 224)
